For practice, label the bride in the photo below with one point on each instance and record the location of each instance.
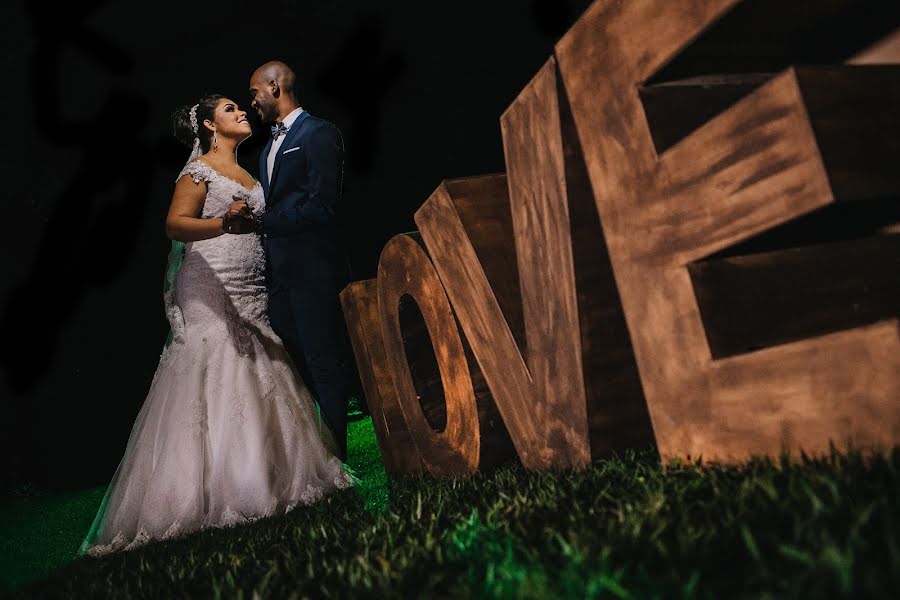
(228, 432)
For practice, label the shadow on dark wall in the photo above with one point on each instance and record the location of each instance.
(67, 429)
(553, 17)
(72, 253)
(89, 234)
(358, 78)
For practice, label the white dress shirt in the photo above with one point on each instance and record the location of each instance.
(273, 151)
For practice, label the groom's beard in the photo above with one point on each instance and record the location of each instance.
(267, 115)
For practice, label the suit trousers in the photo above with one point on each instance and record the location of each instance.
(310, 322)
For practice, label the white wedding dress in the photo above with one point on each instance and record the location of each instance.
(228, 432)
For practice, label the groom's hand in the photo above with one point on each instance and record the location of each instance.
(239, 218)
(238, 222)
(240, 205)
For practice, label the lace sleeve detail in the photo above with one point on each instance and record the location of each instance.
(198, 172)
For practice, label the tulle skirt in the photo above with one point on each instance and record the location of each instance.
(228, 433)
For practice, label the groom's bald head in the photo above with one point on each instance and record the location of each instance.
(278, 72)
(273, 90)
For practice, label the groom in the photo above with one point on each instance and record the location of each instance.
(301, 170)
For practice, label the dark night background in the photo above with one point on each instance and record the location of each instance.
(89, 163)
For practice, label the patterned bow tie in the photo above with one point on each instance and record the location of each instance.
(278, 129)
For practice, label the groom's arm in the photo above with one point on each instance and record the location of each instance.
(324, 160)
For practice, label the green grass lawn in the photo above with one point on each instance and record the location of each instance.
(623, 528)
(41, 532)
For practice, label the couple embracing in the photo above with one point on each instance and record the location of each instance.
(246, 413)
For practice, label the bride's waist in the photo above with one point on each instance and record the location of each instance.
(224, 261)
(196, 278)
(227, 247)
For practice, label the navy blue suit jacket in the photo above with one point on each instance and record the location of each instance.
(300, 229)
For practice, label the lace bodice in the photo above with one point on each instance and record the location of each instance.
(222, 280)
(222, 189)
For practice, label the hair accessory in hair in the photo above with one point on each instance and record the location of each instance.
(194, 126)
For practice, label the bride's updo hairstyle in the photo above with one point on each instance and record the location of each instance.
(184, 130)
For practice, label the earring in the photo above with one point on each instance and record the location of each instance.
(215, 141)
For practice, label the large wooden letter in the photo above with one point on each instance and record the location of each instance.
(547, 330)
(720, 253)
(472, 435)
(398, 451)
(798, 143)
(567, 285)
(543, 408)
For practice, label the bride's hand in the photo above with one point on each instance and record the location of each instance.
(240, 205)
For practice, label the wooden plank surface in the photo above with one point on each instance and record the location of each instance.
(857, 128)
(675, 109)
(482, 205)
(564, 265)
(885, 51)
(757, 36)
(788, 295)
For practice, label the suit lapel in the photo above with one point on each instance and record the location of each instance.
(289, 138)
(263, 170)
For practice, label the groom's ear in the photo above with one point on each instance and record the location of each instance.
(276, 89)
